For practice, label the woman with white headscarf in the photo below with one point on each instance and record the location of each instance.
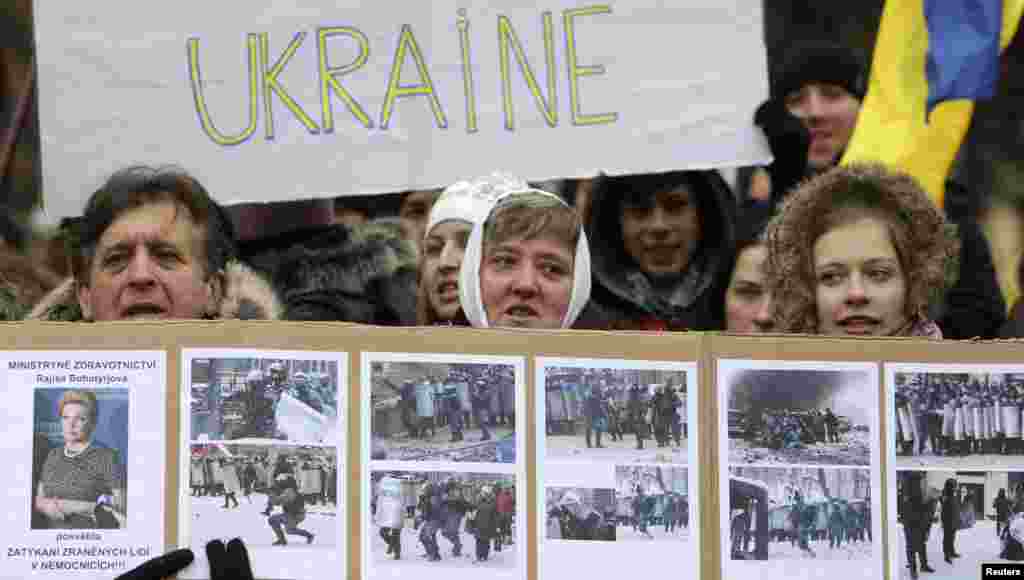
(527, 264)
(452, 217)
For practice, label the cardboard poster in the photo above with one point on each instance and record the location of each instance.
(263, 458)
(799, 460)
(85, 458)
(618, 465)
(278, 101)
(443, 478)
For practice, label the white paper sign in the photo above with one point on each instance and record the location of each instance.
(85, 462)
(276, 100)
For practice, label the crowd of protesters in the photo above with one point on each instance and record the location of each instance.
(958, 415)
(452, 507)
(802, 246)
(791, 429)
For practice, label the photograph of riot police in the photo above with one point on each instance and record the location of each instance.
(276, 495)
(799, 417)
(652, 503)
(622, 415)
(947, 420)
(433, 411)
(779, 513)
(442, 519)
(264, 399)
(950, 522)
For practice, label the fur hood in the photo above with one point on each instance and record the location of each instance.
(247, 296)
(623, 292)
(365, 274)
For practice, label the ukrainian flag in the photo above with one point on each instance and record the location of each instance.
(932, 60)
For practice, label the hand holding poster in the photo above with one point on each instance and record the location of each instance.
(277, 101)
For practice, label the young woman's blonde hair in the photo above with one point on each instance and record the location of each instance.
(927, 245)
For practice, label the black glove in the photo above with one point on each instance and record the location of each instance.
(160, 567)
(789, 140)
(231, 563)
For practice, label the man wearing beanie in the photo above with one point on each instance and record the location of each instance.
(816, 93)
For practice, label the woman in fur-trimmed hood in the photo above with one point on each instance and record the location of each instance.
(659, 244)
(860, 250)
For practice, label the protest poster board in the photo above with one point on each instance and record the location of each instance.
(539, 443)
(278, 101)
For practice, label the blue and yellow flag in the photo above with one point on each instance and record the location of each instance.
(932, 59)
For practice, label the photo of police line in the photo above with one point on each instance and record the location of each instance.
(264, 399)
(800, 513)
(950, 522)
(648, 503)
(623, 415)
(432, 411)
(943, 418)
(799, 417)
(443, 519)
(267, 495)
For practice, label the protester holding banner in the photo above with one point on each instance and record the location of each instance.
(527, 265)
(859, 250)
(822, 85)
(661, 242)
(153, 244)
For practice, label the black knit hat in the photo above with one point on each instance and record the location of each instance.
(821, 62)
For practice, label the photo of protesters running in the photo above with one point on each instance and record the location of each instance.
(620, 415)
(433, 411)
(799, 417)
(800, 513)
(942, 418)
(443, 519)
(950, 522)
(262, 399)
(264, 493)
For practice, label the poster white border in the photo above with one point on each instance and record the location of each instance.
(144, 536)
(896, 559)
(606, 471)
(789, 568)
(269, 562)
(518, 469)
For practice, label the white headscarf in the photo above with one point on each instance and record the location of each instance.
(472, 200)
(469, 275)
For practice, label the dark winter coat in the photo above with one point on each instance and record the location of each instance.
(486, 520)
(623, 293)
(974, 306)
(365, 274)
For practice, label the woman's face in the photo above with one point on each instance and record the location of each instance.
(527, 283)
(75, 422)
(860, 284)
(748, 303)
(661, 232)
(443, 249)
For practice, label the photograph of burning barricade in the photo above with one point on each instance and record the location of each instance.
(778, 513)
(258, 399)
(798, 416)
(946, 524)
(442, 409)
(946, 418)
(440, 520)
(276, 495)
(624, 413)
